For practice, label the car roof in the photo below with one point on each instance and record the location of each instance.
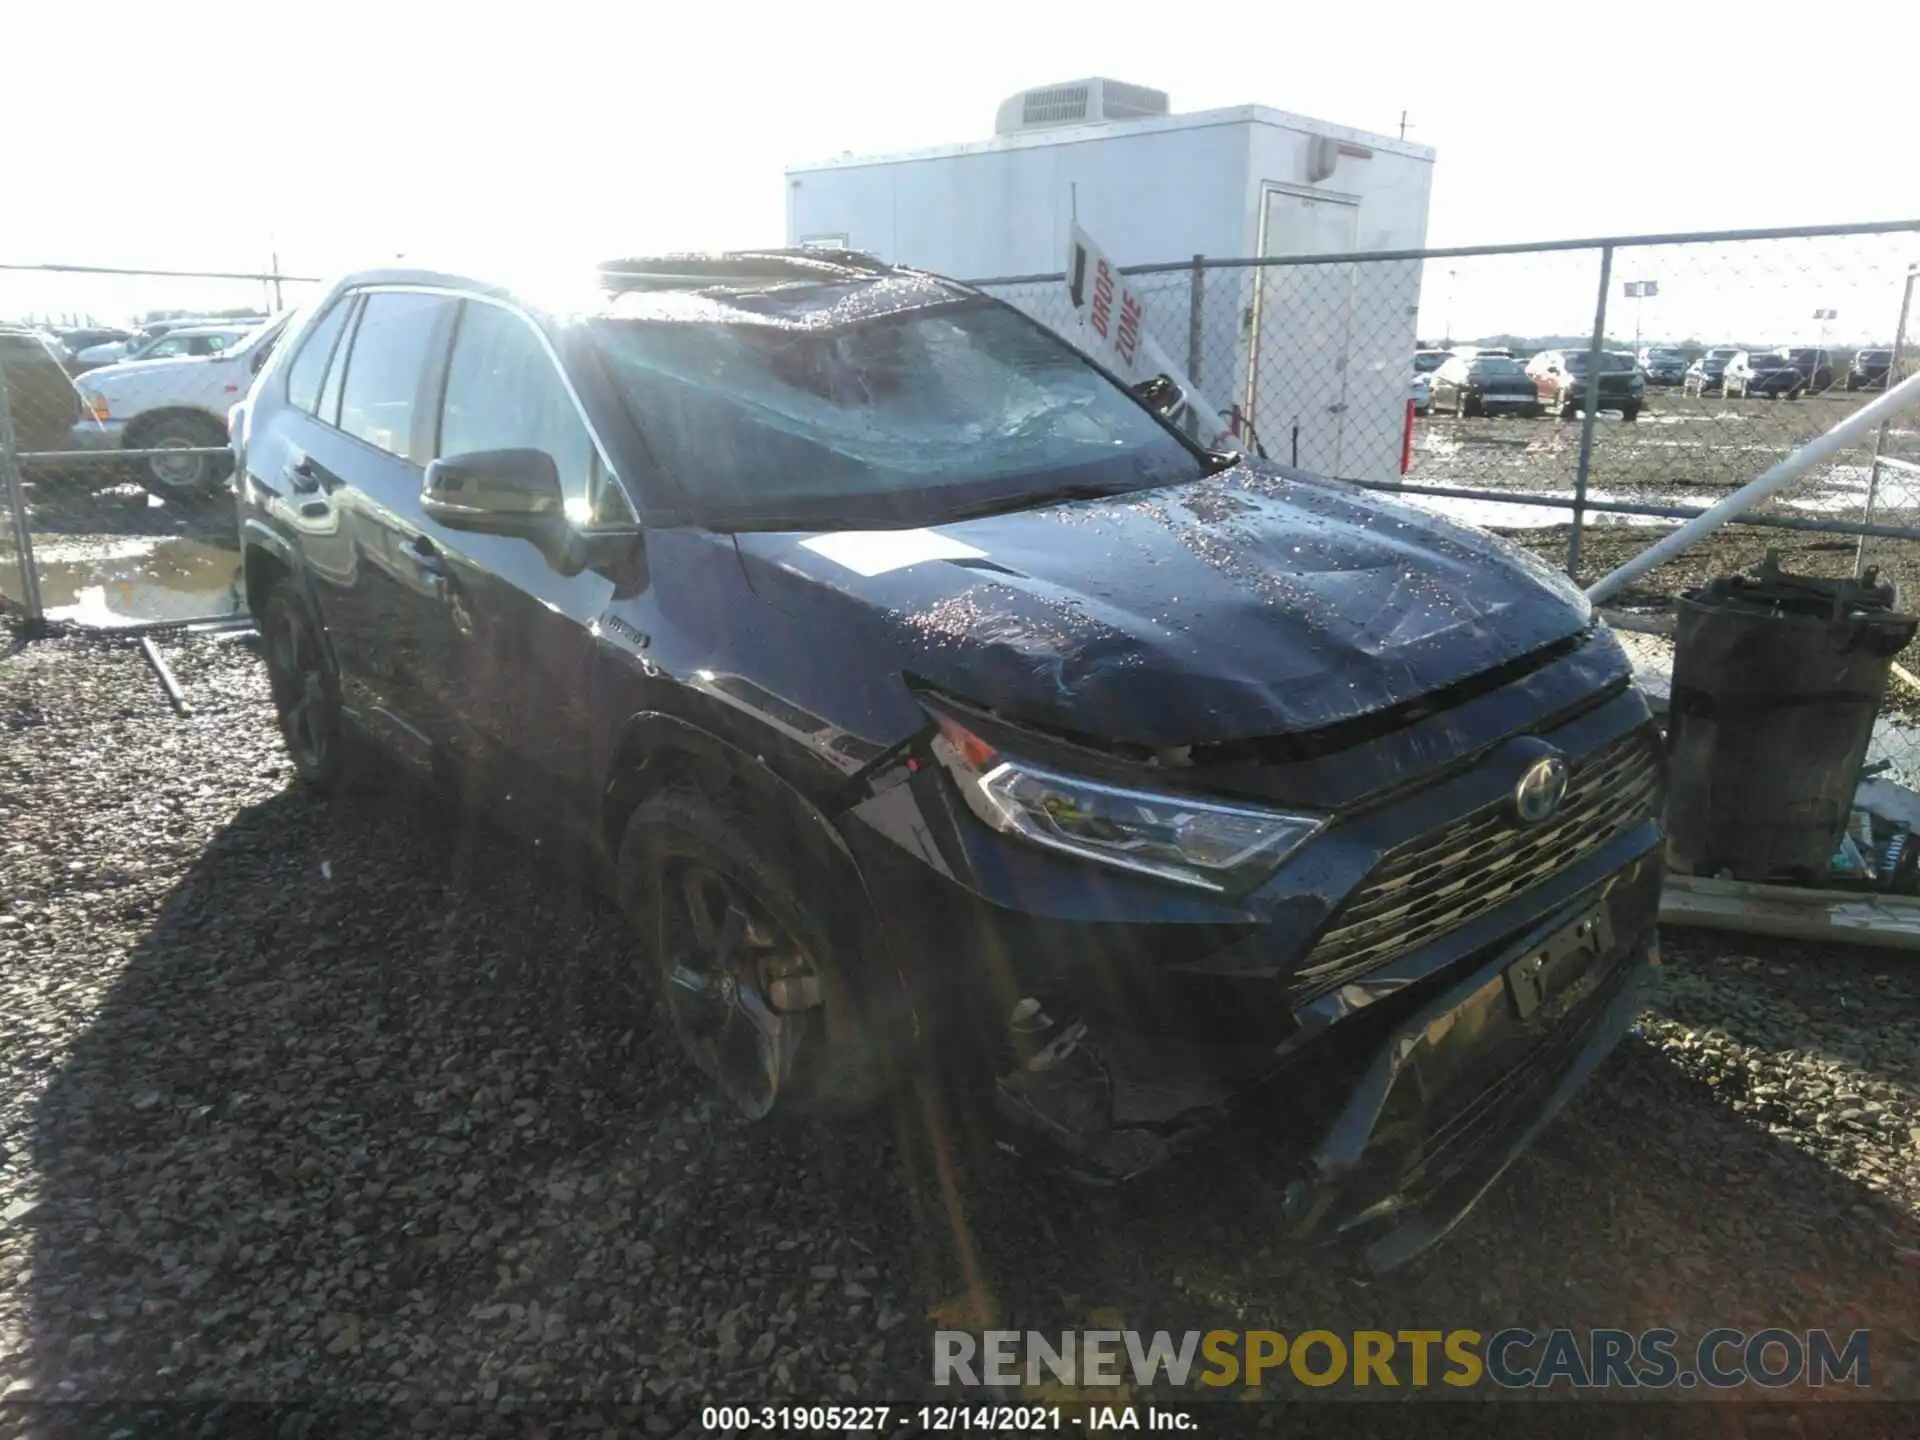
(794, 288)
(232, 327)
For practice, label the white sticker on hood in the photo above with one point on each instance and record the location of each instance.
(875, 552)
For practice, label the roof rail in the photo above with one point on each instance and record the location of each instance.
(694, 270)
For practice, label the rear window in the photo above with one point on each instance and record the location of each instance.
(1495, 365)
(1876, 357)
(1610, 364)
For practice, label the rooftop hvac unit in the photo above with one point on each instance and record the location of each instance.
(1077, 102)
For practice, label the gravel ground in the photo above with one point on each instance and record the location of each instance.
(353, 1100)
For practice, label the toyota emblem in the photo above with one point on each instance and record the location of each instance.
(1541, 789)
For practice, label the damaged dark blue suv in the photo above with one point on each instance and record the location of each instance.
(924, 694)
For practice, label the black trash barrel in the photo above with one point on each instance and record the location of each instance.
(1777, 679)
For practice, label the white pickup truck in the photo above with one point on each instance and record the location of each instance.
(179, 404)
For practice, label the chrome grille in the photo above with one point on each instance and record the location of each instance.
(1431, 885)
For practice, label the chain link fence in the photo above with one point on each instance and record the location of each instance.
(114, 463)
(1710, 357)
(1461, 378)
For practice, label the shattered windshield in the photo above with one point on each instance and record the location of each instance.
(901, 417)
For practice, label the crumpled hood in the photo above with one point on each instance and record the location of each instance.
(1256, 602)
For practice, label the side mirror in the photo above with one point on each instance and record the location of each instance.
(496, 492)
(1159, 395)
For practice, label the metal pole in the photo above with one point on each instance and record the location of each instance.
(1850, 431)
(1880, 435)
(17, 508)
(1196, 287)
(1594, 351)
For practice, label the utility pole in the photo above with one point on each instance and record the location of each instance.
(1403, 124)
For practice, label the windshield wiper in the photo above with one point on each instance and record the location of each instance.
(1035, 499)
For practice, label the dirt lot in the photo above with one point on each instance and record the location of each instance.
(354, 1100)
(1683, 451)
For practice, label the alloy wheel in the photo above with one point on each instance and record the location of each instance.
(300, 693)
(737, 985)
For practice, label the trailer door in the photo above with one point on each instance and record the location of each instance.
(1301, 318)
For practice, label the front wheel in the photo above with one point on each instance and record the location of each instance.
(1629, 413)
(752, 975)
(1567, 408)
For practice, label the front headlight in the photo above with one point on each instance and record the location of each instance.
(1203, 843)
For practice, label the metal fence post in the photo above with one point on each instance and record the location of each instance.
(1196, 287)
(17, 508)
(1594, 352)
(1880, 436)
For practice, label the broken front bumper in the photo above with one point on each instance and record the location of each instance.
(1417, 1115)
(1461, 1087)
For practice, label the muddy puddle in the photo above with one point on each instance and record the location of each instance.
(130, 579)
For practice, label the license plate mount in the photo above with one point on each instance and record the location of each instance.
(1553, 975)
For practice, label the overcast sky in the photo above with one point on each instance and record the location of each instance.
(204, 135)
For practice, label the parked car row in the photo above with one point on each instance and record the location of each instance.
(1492, 383)
(1753, 371)
(1468, 380)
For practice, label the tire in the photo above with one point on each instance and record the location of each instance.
(1630, 413)
(715, 894)
(305, 688)
(1567, 408)
(1852, 384)
(191, 477)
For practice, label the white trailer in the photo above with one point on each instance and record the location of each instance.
(1318, 356)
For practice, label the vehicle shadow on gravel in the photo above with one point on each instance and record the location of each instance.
(374, 1112)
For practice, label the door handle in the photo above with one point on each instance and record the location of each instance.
(302, 476)
(426, 557)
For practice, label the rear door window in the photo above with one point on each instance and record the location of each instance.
(505, 392)
(395, 345)
(309, 368)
